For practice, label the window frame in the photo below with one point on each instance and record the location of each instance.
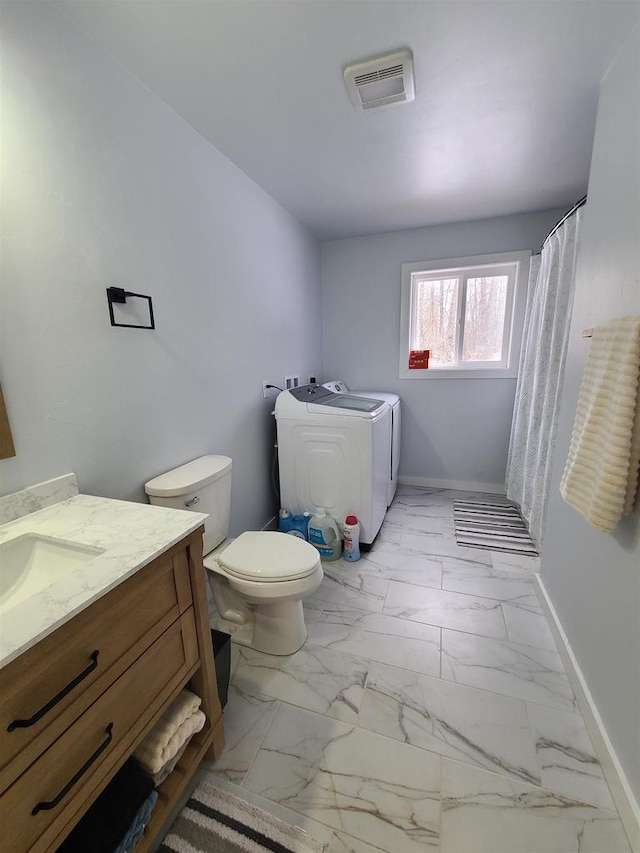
(515, 311)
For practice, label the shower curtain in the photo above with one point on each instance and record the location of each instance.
(542, 361)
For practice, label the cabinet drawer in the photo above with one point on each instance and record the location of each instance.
(77, 766)
(50, 685)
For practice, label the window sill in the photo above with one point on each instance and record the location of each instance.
(462, 373)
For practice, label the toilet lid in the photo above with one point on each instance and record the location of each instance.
(269, 556)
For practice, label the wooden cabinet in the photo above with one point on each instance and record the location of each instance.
(75, 706)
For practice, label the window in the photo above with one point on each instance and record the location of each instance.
(467, 312)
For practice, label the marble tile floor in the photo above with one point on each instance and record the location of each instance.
(428, 710)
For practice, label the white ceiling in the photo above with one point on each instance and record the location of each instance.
(506, 96)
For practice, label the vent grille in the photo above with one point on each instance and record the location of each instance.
(383, 74)
(381, 81)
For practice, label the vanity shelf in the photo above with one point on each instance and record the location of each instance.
(76, 705)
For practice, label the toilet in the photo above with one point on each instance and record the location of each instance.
(258, 580)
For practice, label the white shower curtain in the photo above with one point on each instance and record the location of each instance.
(542, 361)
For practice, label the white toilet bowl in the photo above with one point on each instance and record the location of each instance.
(258, 583)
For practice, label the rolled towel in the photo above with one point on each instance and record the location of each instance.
(152, 757)
(169, 767)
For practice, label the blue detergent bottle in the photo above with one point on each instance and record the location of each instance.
(299, 525)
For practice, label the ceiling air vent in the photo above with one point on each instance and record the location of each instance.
(381, 81)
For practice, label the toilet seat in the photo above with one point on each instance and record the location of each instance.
(268, 557)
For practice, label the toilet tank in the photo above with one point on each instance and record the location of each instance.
(203, 485)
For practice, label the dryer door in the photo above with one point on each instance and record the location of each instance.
(349, 404)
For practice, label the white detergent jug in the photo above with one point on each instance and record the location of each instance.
(324, 535)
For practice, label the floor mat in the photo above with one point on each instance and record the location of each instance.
(214, 821)
(493, 526)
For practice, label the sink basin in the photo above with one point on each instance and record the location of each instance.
(31, 562)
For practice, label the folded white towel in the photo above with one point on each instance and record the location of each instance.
(169, 767)
(600, 478)
(179, 722)
(153, 758)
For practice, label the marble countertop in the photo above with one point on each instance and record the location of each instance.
(131, 536)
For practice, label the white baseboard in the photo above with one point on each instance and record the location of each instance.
(458, 485)
(621, 792)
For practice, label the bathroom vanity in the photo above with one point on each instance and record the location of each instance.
(89, 664)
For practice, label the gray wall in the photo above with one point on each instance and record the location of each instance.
(104, 185)
(455, 430)
(594, 578)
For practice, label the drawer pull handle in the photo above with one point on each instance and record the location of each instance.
(51, 804)
(24, 724)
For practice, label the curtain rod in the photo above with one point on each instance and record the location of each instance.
(569, 213)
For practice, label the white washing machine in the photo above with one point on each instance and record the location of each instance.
(333, 451)
(340, 387)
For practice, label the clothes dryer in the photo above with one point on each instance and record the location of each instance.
(338, 386)
(333, 452)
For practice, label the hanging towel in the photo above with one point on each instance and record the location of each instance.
(180, 721)
(601, 473)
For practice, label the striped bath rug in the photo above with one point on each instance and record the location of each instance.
(494, 526)
(214, 821)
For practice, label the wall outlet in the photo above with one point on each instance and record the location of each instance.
(265, 390)
(291, 382)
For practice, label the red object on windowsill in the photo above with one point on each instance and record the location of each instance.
(419, 359)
